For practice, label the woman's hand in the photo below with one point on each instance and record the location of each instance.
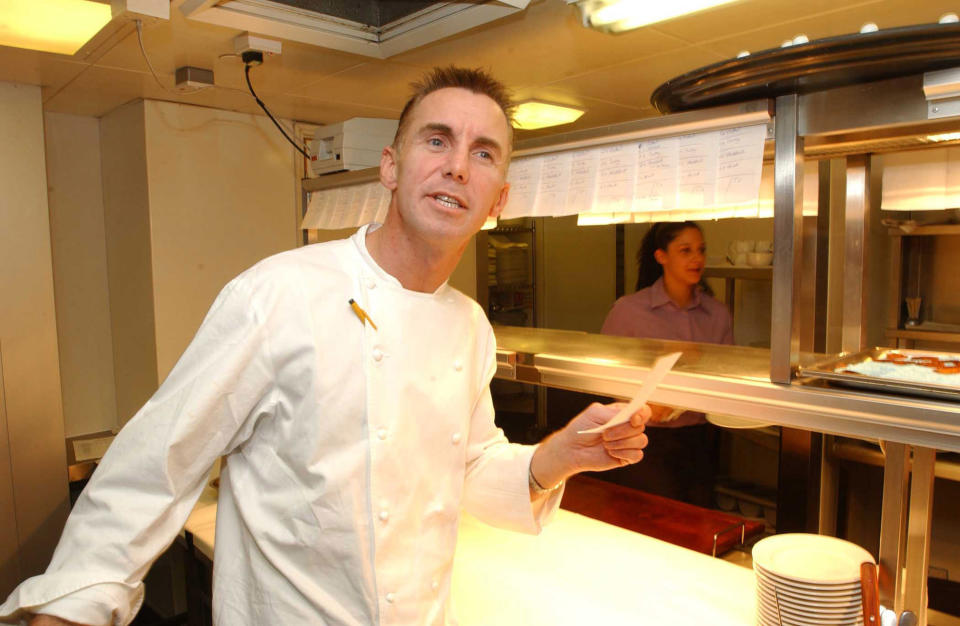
(659, 412)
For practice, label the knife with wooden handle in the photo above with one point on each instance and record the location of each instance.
(870, 594)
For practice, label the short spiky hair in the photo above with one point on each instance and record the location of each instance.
(475, 80)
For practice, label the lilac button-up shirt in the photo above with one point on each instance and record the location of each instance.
(650, 313)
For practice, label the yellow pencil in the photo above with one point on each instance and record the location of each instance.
(361, 313)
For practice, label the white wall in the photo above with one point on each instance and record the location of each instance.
(192, 197)
(80, 273)
(222, 196)
(28, 333)
(126, 220)
(579, 274)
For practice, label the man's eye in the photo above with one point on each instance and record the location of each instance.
(435, 141)
(483, 154)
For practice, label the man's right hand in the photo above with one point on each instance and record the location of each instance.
(50, 620)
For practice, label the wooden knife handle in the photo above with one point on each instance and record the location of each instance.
(870, 594)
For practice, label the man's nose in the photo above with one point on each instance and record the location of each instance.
(458, 165)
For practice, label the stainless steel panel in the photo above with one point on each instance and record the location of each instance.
(731, 380)
(856, 233)
(506, 364)
(341, 179)
(787, 225)
(918, 532)
(885, 103)
(893, 524)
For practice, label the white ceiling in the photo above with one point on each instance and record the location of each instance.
(541, 52)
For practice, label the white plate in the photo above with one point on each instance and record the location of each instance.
(809, 612)
(813, 559)
(801, 604)
(771, 585)
(803, 607)
(782, 582)
(770, 616)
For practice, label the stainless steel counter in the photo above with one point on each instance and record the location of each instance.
(729, 380)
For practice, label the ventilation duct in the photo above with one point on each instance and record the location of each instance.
(375, 28)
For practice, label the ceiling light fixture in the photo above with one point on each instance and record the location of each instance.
(533, 114)
(616, 16)
(60, 26)
(75, 27)
(944, 137)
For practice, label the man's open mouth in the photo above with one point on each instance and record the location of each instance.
(448, 201)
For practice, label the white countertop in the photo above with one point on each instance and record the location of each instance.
(578, 571)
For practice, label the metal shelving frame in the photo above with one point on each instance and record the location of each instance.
(850, 123)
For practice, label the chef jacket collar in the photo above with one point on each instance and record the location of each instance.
(360, 241)
(659, 296)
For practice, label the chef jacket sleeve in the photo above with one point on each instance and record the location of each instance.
(149, 480)
(496, 487)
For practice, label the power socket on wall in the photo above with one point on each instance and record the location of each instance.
(247, 42)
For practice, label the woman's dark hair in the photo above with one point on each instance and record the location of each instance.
(658, 238)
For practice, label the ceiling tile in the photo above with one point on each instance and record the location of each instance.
(542, 44)
(630, 84)
(383, 84)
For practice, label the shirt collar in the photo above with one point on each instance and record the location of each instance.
(359, 239)
(659, 296)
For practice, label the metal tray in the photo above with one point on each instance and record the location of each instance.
(835, 370)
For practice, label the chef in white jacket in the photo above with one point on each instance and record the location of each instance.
(347, 386)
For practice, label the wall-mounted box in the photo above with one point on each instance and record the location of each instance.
(351, 145)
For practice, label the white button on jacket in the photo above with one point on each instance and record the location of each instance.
(281, 378)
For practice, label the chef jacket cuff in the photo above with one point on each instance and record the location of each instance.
(101, 604)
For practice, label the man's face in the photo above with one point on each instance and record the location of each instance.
(448, 170)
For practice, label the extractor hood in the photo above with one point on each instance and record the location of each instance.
(376, 28)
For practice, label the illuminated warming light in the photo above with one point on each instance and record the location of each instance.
(621, 15)
(944, 137)
(60, 26)
(534, 114)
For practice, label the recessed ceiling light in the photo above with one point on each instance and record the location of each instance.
(619, 15)
(60, 26)
(533, 114)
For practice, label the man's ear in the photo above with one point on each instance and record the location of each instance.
(501, 202)
(388, 168)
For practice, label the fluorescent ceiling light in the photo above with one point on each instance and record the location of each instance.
(619, 15)
(532, 114)
(60, 26)
(944, 137)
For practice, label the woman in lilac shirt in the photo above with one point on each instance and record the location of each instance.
(673, 302)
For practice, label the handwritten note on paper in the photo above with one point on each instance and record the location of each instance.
(583, 181)
(616, 172)
(656, 184)
(313, 218)
(371, 203)
(739, 165)
(554, 182)
(524, 179)
(697, 170)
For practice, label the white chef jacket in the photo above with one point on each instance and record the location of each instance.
(349, 452)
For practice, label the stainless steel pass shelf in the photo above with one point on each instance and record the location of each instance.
(730, 380)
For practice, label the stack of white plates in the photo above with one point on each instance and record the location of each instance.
(808, 580)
